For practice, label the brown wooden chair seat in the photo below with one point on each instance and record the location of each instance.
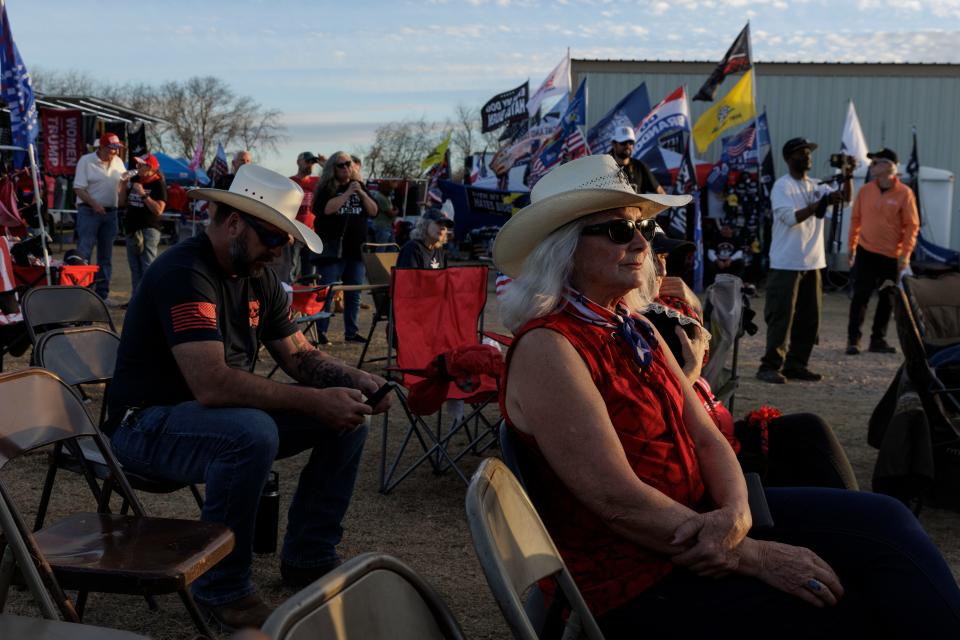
(109, 552)
(131, 554)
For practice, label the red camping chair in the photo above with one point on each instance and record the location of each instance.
(435, 312)
(307, 303)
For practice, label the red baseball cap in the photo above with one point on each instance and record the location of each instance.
(110, 140)
(150, 160)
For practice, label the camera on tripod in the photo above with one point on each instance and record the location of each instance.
(842, 161)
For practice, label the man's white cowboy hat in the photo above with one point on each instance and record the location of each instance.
(571, 191)
(266, 195)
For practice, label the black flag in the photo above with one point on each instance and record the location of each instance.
(736, 60)
(913, 171)
(136, 143)
(505, 108)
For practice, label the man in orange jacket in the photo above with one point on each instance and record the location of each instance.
(883, 232)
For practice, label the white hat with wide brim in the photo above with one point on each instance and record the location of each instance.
(266, 195)
(571, 191)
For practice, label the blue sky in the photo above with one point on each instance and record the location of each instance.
(338, 69)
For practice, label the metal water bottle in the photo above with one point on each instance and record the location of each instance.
(268, 516)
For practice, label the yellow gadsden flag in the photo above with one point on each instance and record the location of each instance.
(735, 109)
(436, 156)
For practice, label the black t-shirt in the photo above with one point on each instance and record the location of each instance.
(415, 255)
(137, 215)
(349, 221)
(641, 177)
(186, 297)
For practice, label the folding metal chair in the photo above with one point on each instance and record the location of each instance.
(728, 316)
(370, 597)
(433, 312)
(46, 308)
(516, 552)
(378, 266)
(104, 552)
(82, 356)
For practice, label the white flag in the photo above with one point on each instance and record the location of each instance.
(853, 143)
(557, 83)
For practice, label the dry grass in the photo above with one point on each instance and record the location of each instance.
(422, 521)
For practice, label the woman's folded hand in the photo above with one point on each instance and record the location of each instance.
(794, 570)
(712, 540)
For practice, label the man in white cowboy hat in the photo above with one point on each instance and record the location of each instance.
(185, 406)
(638, 174)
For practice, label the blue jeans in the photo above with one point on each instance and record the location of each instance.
(139, 263)
(896, 583)
(232, 450)
(94, 230)
(347, 271)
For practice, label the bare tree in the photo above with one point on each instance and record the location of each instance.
(399, 147)
(198, 107)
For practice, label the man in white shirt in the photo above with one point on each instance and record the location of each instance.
(794, 292)
(97, 186)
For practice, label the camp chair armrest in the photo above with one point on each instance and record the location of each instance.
(358, 287)
(500, 338)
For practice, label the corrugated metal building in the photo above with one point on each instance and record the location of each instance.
(810, 100)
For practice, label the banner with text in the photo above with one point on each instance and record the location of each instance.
(62, 140)
(505, 108)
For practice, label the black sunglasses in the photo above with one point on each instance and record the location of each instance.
(270, 239)
(343, 165)
(621, 231)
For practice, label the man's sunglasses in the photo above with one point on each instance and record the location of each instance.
(268, 238)
(621, 231)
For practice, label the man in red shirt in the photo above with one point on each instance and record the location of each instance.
(308, 182)
(883, 232)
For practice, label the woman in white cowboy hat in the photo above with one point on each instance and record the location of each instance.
(641, 493)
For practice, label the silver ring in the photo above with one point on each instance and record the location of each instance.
(813, 584)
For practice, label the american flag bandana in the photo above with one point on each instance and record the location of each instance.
(634, 331)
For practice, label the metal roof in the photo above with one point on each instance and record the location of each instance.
(97, 107)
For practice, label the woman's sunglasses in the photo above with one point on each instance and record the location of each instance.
(343, 165)
(621, 231)
(268, 238)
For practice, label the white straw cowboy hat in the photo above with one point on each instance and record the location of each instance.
(571, 191)
(266, 195)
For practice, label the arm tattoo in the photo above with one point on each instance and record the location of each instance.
(315, 369)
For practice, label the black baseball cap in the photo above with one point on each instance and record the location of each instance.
(308, 156)
(438, 216)
(662, 243)
(793, 144)
(884, 154)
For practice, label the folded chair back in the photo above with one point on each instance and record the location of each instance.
(515, 551)
(370, 597)
(46, 307)
(434, 311)
(725, 302)
(935, 304)
(79, 355)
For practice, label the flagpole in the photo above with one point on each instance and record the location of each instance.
(36, 200)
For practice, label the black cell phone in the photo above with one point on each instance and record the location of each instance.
(377, 396)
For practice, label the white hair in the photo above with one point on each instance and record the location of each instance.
(419, 232)
(538, 290)
(637, 300)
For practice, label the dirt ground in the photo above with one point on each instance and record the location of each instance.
(423, 522)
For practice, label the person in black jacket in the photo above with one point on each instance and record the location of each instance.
(425, 250)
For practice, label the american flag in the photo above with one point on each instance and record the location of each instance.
(574, 145)
(17, 91)
(743, 141)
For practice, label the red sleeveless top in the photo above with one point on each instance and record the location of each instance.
(646, 408)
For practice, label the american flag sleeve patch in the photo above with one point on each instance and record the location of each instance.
(193, 315)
